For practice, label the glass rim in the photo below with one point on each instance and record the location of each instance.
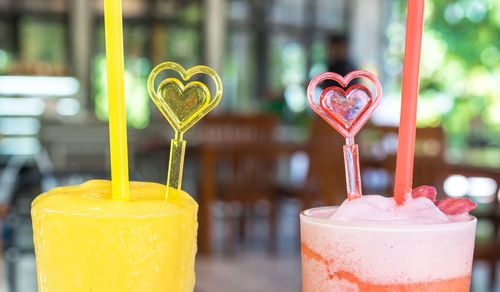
(304, 215)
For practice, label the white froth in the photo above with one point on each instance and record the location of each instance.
(375, 208)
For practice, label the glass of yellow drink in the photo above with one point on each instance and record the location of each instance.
(86, 241)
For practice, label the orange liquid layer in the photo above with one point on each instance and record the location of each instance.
(454, 284)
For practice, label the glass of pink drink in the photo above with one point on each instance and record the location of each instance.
(339, 255)
(411, 242)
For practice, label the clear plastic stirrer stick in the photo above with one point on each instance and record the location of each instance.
(346, 111)
(183, 106)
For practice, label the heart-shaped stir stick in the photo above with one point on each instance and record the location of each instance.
(183, 106)
(346, 111)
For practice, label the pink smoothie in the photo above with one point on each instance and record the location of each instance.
(372, 244)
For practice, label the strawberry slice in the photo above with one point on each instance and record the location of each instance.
(428, 192)
(449, 206)
(456, 206)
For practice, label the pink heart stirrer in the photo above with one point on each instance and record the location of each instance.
(346, 111)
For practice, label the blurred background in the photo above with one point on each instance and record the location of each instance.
(262, 156)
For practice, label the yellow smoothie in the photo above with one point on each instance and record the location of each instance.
(86, 241)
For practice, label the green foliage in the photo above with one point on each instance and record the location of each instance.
(461, 68)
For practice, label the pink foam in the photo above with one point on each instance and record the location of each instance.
(375, 208)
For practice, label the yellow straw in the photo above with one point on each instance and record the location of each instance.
(116, 99)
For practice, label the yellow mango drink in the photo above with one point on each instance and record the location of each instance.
(87, 241)
(119, 235)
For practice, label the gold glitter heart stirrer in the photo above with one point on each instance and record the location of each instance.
(182, 106)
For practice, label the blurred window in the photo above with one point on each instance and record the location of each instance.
(288, 69)
(183, 44)
(47, 86)
(21, 106)
(288, 12)
(42, 40)
(34, 38)
(330, 14)
(238, 10)
(186, 11)
(318, 58)
(290, 56)
(154, 32)
(274, 53)
(34, 41)
(45, 6)
(6, 45)
(19, 126)
(19, 146)
(240, 68)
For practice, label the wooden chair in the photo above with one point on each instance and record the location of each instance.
(237, 165)
(430, 146)
(325, 181)
(378, 150)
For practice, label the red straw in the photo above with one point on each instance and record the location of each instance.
(407, 125)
